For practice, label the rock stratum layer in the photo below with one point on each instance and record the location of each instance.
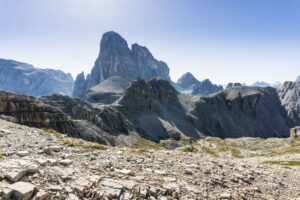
(23, 78)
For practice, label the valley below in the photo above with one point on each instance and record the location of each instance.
(44, 164)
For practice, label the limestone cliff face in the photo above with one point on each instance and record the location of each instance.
(117, 59)
(25, 79)
(289, 94)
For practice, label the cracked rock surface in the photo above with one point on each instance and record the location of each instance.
(35, 164)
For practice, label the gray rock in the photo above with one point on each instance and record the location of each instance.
(22, 153)
(22, 190)
(66, 162)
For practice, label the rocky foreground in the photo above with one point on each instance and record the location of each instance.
(42, 164)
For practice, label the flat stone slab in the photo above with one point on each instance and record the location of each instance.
(22, 190)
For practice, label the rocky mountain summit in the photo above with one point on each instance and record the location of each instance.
(42, 164)
(117, 59)
(23, 78)
(289, 95)
(188, 84)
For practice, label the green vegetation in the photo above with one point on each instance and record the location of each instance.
(216, 147)
(284, 163)
(51, 131)
(78, 143)
(2, 154)
(142, 143)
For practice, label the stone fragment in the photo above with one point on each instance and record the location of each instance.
(22, 190)
(42, 195)
(55, 188)
(125, 171)
(22, 153)
(66, 162)
(16, 175)
(225, 195)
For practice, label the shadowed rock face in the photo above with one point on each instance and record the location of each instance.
(289, 95)
(117, 59)
(25, 79)
(242, 111)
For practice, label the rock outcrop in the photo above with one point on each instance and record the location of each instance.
(188, 84)
(23, 78)
(117, 59)
(289, 94)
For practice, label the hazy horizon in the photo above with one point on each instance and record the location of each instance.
(225, 41)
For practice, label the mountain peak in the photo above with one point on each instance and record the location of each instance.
(117, 59)
(187, 80)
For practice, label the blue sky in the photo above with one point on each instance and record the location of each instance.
(223, 40)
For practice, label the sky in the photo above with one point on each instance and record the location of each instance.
(223, 40)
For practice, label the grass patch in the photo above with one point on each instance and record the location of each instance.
(51, 131)
(2, 154)
(143, 143)
(209, 151)
(78, 143)
(236, 153)
(217, 146)
(284, 163)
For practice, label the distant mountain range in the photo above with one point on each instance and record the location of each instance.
(23, 78)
